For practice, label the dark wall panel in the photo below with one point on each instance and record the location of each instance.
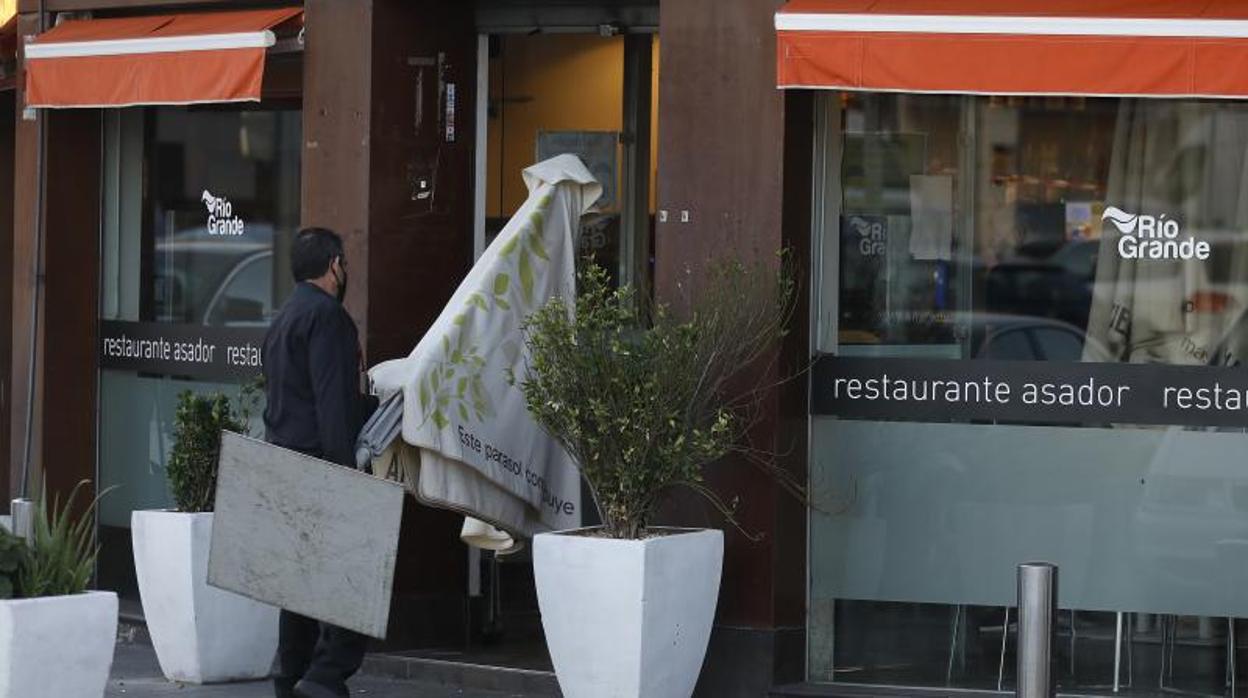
(734, 152)
(422, 160)
(790, 558)
(420, 246)
(336, 131)
(721, 129)
(72, 297)
(720, 133)
(8, 119)
(380, 169)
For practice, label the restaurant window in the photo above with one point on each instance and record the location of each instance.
(200, 208)
(1089, 231)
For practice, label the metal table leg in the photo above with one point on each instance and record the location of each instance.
(1118, 652)
(1005, 633)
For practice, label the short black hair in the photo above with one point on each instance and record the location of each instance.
(314, 250)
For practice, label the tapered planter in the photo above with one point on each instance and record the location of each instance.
(628, 618)
(57, 645)
(201, 634)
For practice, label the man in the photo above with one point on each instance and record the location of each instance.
(312, 365)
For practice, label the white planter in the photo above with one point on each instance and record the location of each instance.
(201, 634)
(57, 645)
(628, 618)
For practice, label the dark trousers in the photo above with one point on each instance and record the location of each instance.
(319, 652)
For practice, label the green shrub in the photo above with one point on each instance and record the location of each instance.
(198, 424)
(61, 556)
(13, 555)
(642, 399)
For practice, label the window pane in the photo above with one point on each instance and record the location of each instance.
(1029, 229)
(224, 190)
(200, 207)
(899, 278)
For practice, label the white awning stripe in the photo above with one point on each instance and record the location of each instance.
(164, 44)
(1002, 24)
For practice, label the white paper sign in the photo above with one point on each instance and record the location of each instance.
(931, 217)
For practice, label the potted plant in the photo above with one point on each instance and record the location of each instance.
(56, 638)
(201, 634)
(643, 400)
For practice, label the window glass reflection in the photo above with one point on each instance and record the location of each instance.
(224, 195)
(1120, 218)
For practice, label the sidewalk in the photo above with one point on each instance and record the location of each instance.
(137, 675)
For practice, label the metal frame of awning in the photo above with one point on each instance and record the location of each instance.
(1007, 25)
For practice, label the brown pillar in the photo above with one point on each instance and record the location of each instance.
(71, 299)
(337, 88)
(388, 163)
(723, 137)
(56, 290)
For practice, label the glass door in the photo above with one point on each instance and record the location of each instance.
(593, 95)
(589, 95)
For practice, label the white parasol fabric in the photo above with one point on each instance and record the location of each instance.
(1186, 161)
(468, 441)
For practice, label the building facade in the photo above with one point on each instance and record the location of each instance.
(160, 220)
(1017, 335)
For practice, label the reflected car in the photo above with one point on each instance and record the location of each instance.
(1030, 338)
(245, 296)
(214, 281)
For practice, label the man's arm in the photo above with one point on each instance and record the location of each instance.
(335, 385)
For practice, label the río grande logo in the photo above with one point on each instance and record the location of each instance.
(1153, 237)
(221, 218)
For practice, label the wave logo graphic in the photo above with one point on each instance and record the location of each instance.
(1150, 237)
(221, 218)
(1123, 221)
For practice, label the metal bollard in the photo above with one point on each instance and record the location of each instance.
(23, 511)
(1037, 611)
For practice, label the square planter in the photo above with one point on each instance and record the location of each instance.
(57, 645)
(628, 618)
(201, 634)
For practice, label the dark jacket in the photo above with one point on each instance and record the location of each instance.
(312, 367)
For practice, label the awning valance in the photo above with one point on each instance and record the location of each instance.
(1151, 48)
(170, 59)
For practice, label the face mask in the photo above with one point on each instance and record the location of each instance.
(342, 283)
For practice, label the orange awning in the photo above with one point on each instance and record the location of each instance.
(1151, 48)
(170, 59)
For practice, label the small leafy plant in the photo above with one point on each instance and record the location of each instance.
(13, 555)
(198, 423)
(61, 557)
(642, 399)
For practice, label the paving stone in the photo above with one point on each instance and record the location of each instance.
(137, 675)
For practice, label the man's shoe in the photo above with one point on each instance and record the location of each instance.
(311, 689)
